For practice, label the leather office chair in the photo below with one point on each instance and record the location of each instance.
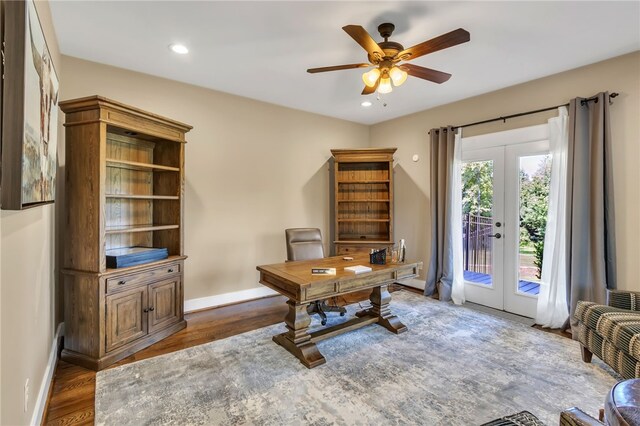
(306, 244)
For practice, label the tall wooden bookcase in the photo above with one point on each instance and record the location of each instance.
(363, 199)
(124, 187)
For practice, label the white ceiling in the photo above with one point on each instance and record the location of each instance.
(261, 50)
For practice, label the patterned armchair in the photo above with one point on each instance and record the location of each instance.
(612, 332)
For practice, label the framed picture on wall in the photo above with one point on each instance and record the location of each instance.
(30, 111)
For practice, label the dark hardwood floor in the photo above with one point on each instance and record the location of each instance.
(72, 394)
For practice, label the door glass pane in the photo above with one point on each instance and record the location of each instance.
(477, 207)
(535, 175)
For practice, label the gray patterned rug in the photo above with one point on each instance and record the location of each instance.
(455, 366)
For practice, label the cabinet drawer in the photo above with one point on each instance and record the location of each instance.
(319, 290)
(366, 282)
(351, 250)
(343, 249)
(127, 281)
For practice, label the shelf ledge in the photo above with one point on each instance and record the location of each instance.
(384, 200)
(137, 228)
(123, 164)
(365, 181)
(143, 197)
(365, 241)
(363, 220)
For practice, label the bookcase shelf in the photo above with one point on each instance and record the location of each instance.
(134, 165)
(143, 197)
(363, 194)
(125, 229)
(124, 177)
(363, 220)
(168, 260)
(364, 201)
(363, 181)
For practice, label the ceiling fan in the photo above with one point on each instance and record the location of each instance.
(385, 57)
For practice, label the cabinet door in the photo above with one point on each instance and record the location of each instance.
(126, 319)
(165, 307)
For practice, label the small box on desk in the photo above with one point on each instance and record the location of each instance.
(132, 256)
(378, 257)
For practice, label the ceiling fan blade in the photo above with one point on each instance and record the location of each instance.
(337, 68)
(444, 41)
(425, 73)
(369, 90)
(362, 37)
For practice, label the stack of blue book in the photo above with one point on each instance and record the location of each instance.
(131, 256)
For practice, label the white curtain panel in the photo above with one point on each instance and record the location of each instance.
(457, 286)
(552, 308)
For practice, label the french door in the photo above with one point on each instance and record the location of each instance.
(505, 178)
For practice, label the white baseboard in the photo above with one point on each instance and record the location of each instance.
(41, 402)
(226, 298)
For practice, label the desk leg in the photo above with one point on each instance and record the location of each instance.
(380, 298)
(297, 339)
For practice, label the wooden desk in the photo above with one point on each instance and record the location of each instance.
(295, 281)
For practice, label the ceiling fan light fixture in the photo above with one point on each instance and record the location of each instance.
(385, 85)
(384, 57)
(398, 76)
(371, 77)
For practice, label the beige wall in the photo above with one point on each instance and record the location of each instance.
(409, 134)
(252, 170)
(27, 292)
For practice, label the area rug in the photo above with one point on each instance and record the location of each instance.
(455, 366)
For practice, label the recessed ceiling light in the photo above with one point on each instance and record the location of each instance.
(179, 48)
(366, 104)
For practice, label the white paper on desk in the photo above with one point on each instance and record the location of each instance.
(358, 269)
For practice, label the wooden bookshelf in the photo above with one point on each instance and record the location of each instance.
(124, 187)
(363, 199)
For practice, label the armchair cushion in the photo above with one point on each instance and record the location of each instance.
(619, 327)
(611, 332)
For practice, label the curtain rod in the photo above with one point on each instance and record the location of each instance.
(505, 118)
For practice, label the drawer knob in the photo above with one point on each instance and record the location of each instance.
(170, 270)
(122, 282)
(145, 310)
(152, 308)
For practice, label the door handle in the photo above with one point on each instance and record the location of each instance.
(496, 235)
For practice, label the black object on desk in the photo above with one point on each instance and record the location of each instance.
(378, 257)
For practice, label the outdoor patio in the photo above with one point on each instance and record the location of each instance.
(527, 287)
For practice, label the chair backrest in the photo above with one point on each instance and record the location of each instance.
(304, 243)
